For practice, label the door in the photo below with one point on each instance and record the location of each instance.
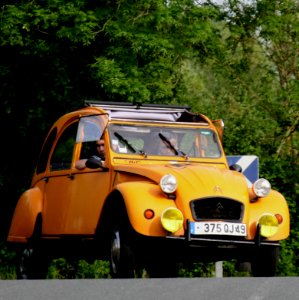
(58, 183)
(89, 187)
(73, 198)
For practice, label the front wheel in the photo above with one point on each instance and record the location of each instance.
(122, 252)
(264, 262)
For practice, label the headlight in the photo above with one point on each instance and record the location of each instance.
(261, 187)
(172, 219)
(168, 184)
(269, 225)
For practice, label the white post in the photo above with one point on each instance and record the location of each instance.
(219, 269)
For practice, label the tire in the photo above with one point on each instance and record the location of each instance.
(122, 255)
(264, 262)
(31, 263)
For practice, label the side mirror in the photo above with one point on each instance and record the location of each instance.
(236, 167)
(219, 125)
(94, 162)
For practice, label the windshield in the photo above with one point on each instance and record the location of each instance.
(164, 141)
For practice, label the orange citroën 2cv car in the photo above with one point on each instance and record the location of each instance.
(160, 193)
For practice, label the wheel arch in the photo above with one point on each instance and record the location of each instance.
(132, 199)
(274, 204)
(114, 203)
(26, 215)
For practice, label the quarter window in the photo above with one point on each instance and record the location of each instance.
(43, 158)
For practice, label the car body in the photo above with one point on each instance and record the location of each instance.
(165, 194)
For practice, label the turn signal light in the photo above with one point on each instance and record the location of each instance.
(279, 218)
(149, 214)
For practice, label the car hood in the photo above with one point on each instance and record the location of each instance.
(196, 180)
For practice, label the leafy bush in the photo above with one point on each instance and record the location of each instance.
(7, 259)
(78, 269)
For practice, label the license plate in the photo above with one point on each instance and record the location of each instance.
(218, 228)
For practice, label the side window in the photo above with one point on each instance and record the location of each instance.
(44, 155)
(63, 152)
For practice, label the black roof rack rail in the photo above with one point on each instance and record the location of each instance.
(135, 105)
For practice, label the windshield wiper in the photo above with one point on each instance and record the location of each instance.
(130, 147)
(125, 142)
(144, 154)
(171, 146)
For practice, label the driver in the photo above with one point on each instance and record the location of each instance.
(100, 152)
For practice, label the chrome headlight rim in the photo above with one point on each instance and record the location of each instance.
(168, 184)
(261, 187)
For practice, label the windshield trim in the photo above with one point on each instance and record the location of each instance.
(193, 142)
(148, 122)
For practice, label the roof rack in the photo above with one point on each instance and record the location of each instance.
(150, 112)
(135, 105)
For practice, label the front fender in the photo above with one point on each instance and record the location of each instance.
(25, 214)
(274, 204)
(139, 196)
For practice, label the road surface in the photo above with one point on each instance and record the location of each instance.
(285, 288)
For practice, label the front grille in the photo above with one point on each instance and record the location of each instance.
(216, 208)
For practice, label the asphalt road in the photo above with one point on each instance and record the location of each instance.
(285, 288)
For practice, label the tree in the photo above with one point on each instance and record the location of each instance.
(256, 88)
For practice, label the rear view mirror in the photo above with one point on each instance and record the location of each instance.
(236, 167)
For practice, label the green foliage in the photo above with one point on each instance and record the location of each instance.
(288, 263)
(232, 269)
(147, 46)
(60, 268)
(78, 269)
(197, 270)
(206, 269)
(7, 259)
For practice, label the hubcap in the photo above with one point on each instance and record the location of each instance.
(115, 251)
(26, 255)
